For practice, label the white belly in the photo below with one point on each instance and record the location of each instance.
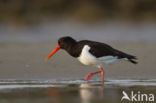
(87, 58)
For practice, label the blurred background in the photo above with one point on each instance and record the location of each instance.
(33, 20)
(29, 30)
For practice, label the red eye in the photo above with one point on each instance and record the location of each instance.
(61, 42)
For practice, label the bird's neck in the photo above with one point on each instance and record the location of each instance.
(73, 50)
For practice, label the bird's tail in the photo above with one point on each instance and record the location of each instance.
(132, 59)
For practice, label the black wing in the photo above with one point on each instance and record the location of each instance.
(101, 49)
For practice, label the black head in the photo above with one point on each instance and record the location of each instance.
(66, 42)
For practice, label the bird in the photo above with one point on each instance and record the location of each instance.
(92, 53)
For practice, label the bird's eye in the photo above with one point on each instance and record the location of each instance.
(61, 42)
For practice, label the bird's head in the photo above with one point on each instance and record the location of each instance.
(63, 43)
(66, 42)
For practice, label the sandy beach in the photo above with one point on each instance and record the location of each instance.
(23, 60)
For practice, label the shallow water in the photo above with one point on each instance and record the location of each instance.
(71, 91)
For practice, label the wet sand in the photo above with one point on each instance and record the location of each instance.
(73, 91)
(26, 61)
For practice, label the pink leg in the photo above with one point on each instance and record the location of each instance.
(102, 75)
(91, 74)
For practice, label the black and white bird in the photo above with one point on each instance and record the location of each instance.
(92, 53)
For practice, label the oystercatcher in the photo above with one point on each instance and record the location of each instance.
(92, 53)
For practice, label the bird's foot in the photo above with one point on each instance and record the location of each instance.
(88, 77)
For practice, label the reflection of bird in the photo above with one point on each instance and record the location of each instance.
(86, 93)
(92, 53)
(125, 96)
(89, 93)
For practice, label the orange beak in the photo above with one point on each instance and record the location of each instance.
(52, 53)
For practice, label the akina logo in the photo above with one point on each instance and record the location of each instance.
(138, 96)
